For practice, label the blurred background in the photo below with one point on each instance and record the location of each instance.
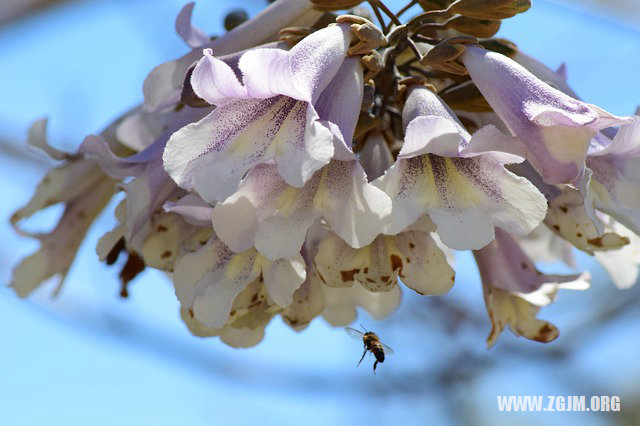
(91, 358)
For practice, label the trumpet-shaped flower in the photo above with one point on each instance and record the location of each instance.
(514, 290)
(271, 115)
(555, 128)
(458, 180)
(163, 85)
(208, 280)
(614, 182)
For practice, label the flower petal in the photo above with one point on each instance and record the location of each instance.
(356, 210)
(555, 128)
(375, 156)
(38, 139)
(283, 277)
(215, 81)
(301, 73)
(212, 155)
(163, 85)
(341, 303)
(514, 289)
(190, 34)
(341, 100)
(465, 197)
(208, 280)
(58, 248)
(192, 208)
(308, 302)
(567, 217)
(267, 213)
(413, 256)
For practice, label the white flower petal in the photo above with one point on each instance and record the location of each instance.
(283, 277)
(208, 280)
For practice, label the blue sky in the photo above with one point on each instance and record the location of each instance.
(90, 358)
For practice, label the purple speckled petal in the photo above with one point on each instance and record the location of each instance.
(213, 155)
(356, 210)
(260, 213)
(555, 128)
(273, 216)
(465, 197)
(189, 33)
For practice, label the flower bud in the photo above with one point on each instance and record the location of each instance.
(334, 4)
(435, 4)
(482, 28)
(490, 9)
(368, 36)
(444, 54)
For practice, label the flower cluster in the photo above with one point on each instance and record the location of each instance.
(306, 163)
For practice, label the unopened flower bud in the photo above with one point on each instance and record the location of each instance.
(443, 56)
(482, 28)
(293, 35)
(434, 4)
(490, 9)
(373, 64)
(368, 36)
(335, 4)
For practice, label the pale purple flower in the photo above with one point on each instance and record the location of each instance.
(615, 179)
(271, 214)
(514, 290)
(458, 180)
(84, 190)
(163, 85)
(252, 310)
(151, 186)
(555, 128)
(270, 115)
(411, 256)
(208, 280)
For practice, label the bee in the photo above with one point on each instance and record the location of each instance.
(371, 343)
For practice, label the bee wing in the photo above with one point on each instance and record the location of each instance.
(387, 349)
(354, 333)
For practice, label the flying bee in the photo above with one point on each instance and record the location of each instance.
(371, 343)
